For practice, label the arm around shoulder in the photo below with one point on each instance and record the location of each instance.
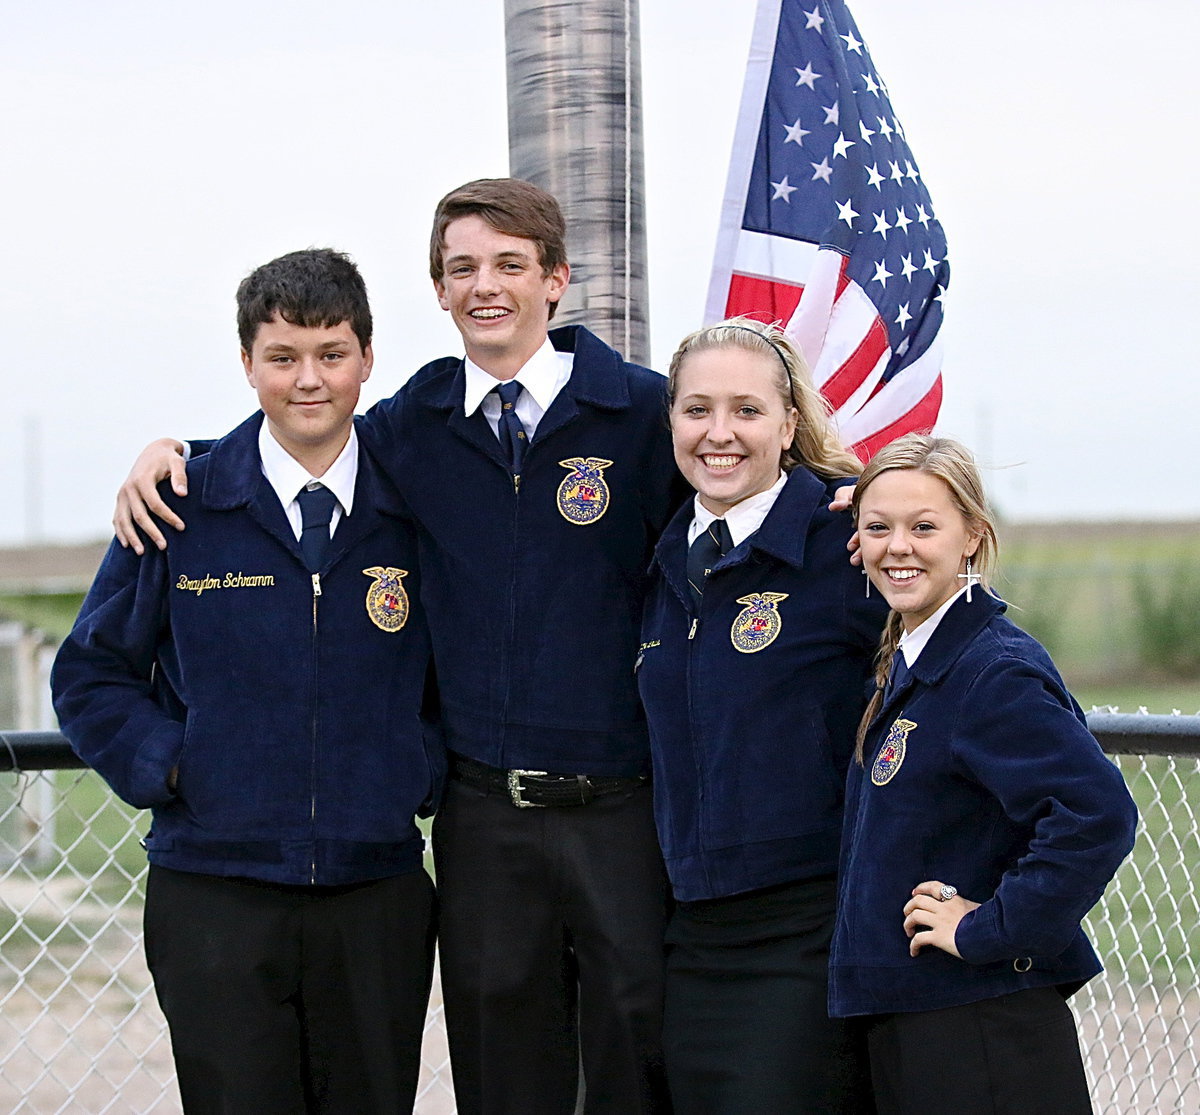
(381, 431)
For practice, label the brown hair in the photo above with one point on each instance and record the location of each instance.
(951, 462)
(510, 205)
(314, 288)
(815, 444)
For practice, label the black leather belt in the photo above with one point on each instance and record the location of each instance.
(539, 789)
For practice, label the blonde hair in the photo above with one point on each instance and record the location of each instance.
(951, 463)
(815, 444)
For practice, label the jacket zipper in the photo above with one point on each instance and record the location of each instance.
(692, 652)
(312, 812)
(512, 618)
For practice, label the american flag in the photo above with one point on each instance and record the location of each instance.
(828, 227)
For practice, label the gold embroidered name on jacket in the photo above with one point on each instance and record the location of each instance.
(231, 580)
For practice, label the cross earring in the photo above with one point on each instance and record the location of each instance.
(970, 578)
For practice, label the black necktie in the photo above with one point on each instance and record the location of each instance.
(710, 545)
(316, 509)
(511, 432)
(898, 675)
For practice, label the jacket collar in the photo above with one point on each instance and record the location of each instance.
(595, 377)
(783, 534)
(234, 469)
(234, 479)
(593, 374)
(954, 634)
(595, 381)
(374, 496)
(958, 627)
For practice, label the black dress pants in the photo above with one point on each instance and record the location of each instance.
(1013, 1054)
(747, 1025)
(286, 1000)
(551, 952)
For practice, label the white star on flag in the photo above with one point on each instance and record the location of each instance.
(783, 190)
(806, 76)
(795, 133)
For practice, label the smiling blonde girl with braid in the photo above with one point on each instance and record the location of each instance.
(982, 819)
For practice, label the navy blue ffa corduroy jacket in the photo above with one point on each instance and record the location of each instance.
(293, 718)
(979, 772)
(534, 591)
(753, 704)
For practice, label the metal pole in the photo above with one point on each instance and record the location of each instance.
(575, 128)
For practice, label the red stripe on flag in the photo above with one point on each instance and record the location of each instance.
(855, 368)
(918, 420)
(762, 298)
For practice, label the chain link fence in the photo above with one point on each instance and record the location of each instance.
(80, 1030)
(1140, 1022)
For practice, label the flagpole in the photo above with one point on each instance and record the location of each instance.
(575, 128)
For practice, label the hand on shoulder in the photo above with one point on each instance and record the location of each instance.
(138, 501)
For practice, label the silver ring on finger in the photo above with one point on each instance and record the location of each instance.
(946, 892)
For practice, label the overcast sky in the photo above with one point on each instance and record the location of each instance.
(154, 153)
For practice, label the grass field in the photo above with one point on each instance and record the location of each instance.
(1158, 697)
(52, 613)
(1074, 586)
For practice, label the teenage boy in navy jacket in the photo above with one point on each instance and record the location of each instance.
(553, 895)
(258, 686)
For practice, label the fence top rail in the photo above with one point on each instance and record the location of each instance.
(1123, 733)
(1119, 733)
(37, 751)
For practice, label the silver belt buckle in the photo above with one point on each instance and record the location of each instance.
(515, 789)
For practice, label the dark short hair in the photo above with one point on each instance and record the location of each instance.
(510, 205)
(314, 288)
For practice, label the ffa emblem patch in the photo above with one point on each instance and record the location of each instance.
(387, 601)
(583, 495)
(891, 754)
(758, 624)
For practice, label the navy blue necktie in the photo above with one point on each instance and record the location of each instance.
(710, 546)
(898, 675)
(316, 510)
(511, 432)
